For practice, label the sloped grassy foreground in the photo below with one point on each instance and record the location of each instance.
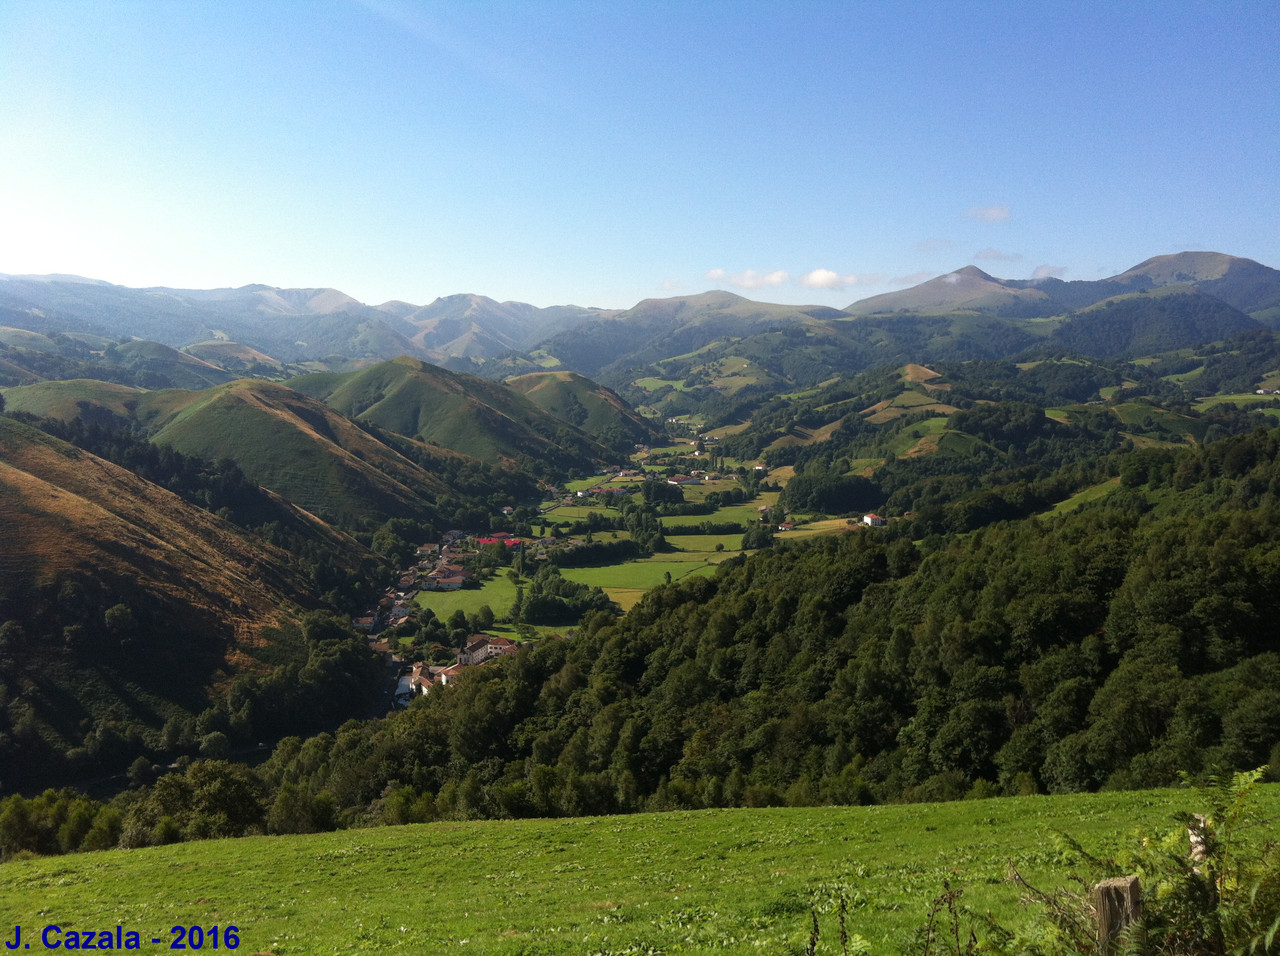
(698, 882)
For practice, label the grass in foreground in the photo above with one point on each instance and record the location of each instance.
(736, 881)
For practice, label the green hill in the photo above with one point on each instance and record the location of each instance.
(282, 440)
(596, 410)
(123, 604)
(1147, 323)
(233, 356)
(296, 447)
(463, 413)
(156, 365)
(68, 398)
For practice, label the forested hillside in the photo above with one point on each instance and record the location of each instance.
(1111, 647)
(125, 607)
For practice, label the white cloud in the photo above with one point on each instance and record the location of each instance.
(824, 279)
(996, 255)
(997, 213)
(827, 279)
(750, 279)
(1049, 272)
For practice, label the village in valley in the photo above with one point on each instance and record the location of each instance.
(710, 509)
(440, 567)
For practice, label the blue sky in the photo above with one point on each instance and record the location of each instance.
(601, 153)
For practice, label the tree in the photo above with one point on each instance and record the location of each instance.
(141, 772)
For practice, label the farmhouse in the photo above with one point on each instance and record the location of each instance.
(425, 676)
(443, 582)
(482, 647)
(873, 521)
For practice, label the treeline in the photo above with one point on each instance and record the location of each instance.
(215, 486)
(638, 519)
(552, 599)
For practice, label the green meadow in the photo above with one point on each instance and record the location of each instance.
(627, 583)
(499, 592)
(1241, 400)
(722, 881)
(704, 543)
(1092, 493)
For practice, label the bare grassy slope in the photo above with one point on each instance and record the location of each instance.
(65, 510)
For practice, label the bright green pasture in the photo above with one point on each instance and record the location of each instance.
(906, 439)
(1092, 493)
(626, 584)
(704, 542)
(747, 514)
(1243, 401)
(714, 881)
(582, 484)
(641, 575)
(815, 528)
(652, 384)
(568, 514)
(680, 448)
(498, 592)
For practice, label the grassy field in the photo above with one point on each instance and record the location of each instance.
(723, 881)
(815, 528)
(704, 542)
(627, 583)
(1241, 400)
(747, 514)
(1092, 493)
(498, 592)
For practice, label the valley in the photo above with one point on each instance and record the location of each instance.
(982, 544)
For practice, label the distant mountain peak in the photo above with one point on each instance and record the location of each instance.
(973, 272)
(1185, 267)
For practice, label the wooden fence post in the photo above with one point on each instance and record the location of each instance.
(1118, 903)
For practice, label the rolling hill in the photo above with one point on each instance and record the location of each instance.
(125, 603)
(500, 339)
(595, 409)
(282, 440)
(463, 413)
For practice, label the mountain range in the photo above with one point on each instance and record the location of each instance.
(260, 328)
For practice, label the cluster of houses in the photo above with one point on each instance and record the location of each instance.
(480, 649)
(439, 567)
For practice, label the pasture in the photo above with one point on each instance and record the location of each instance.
(713, 881)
